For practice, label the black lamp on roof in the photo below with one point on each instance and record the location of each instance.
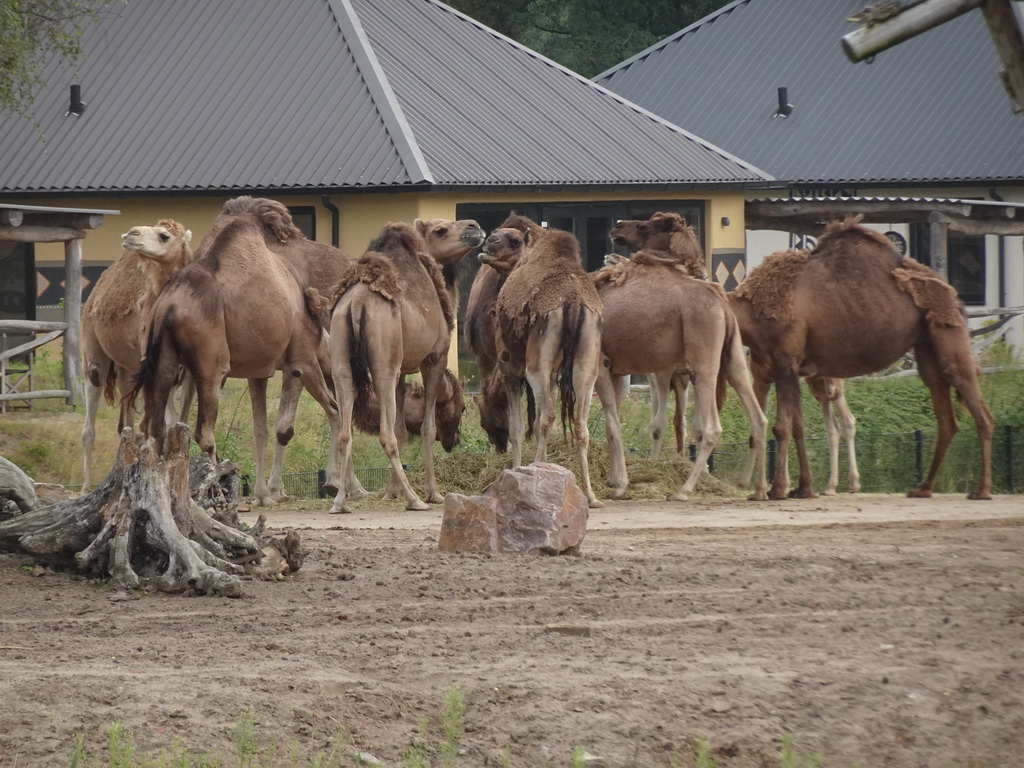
(77, 106)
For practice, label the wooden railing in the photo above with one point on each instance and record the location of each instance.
(51, 331)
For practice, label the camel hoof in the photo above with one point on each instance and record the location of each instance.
(829, 492)
(979, 496)
(620, 495)
(435, 498)
(595, 504)
(760, 496)
(388, 496)
(774, 495)
(854, 489)
(919, 493)
(802, 493)
(679, 497)
(357, 493)
(342, 511)
(417, 506)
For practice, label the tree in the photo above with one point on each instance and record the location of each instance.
(32, 30)
(587, 36)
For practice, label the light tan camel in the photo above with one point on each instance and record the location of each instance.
(114, 319)
(394, 315)
(657, 318)
(549, 316)
(851, 307)
(318, 266)
(238, 310)
(666, 235)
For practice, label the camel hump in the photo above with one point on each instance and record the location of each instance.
(838, 236)
(930, 293)
(437, 278)
(273, 216)
(375, 271)
(769, 286)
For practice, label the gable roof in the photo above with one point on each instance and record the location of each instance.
(931, 109)
(192, 95)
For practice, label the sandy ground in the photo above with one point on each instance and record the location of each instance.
(879, 630)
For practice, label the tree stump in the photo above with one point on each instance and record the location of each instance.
(141, 527)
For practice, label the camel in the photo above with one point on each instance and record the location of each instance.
(238, 310)
(114, 319)
(481, 331)
(393, 315)
(549, 316)
(657, 318)
(850, 307)
(447, 412)
(669, 236)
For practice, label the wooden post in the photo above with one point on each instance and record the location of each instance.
(911, 21)
(1009, 42)
(938, 228)
(73, 317)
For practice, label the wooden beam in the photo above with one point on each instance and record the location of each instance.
(70, 220)
(37, 395)
(912, 20)
(36, 234)
(1009, 43)
(11, 218)
(73, 318)
(28, 346)
(30, 326)
(880, 210)
(986, 227)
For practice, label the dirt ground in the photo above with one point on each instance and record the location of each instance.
(879, 630)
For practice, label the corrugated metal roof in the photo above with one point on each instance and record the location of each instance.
(931, 109)
(188, 95)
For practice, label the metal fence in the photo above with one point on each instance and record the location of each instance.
(887, 462)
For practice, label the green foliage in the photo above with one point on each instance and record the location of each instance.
(416, 755)
(31, 29)
(578, 754)
(791, 758)
(587, 36)
(452, 726)
(702, 754)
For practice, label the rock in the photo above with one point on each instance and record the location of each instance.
(368, 759)
(534, 509)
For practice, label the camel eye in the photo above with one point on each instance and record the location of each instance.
(164, 237)
(441, 231)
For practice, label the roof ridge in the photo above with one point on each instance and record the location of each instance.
(380, 91)
(605, 91)
(670, 39)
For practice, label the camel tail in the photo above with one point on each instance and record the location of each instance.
(359, 361)
(572, 328)
(145, 381)
(110, 384)
(677, 420)
(732, 328)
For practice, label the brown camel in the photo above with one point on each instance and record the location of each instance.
(238, 310)
(850, 307)
(394, 315)
(115, 315)
(500, 256)
(447, 412)
(659, 319)
(549, 316)
(666, 235)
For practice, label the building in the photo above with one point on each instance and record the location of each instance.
(923, 138)
(353, 113)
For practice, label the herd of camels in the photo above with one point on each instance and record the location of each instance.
(255, 297)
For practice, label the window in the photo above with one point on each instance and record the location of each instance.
(17, 289)
(965, 260)
(304, 217)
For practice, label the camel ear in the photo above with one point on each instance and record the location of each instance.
(527, 237)
(667, 222)
(188, 236)
(421, 227)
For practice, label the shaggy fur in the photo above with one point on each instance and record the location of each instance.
(667, 233)
(769, 286)
(931, 293)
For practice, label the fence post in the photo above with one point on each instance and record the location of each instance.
(693, 453)
(919, 455)
(772, 449)
(321, 481)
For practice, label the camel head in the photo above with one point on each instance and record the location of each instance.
(167, 242)
(503, 248)
(448, 241)
(447, 411)
(665, 232)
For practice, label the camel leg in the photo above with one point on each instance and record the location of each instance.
(804, 489)
(761, 386)
(681, 386)
(542, 355)
(850, 430)
(514, 391)
(284, 430)
(312, 378)
(787, 406)
(704, 383)
(661, 383)
(187, 390)
(606, 389)
(738, 375)
(93, 394)
(432, 375)
(585, 371)
(819, 389)
(389, 441)
(258, 396)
